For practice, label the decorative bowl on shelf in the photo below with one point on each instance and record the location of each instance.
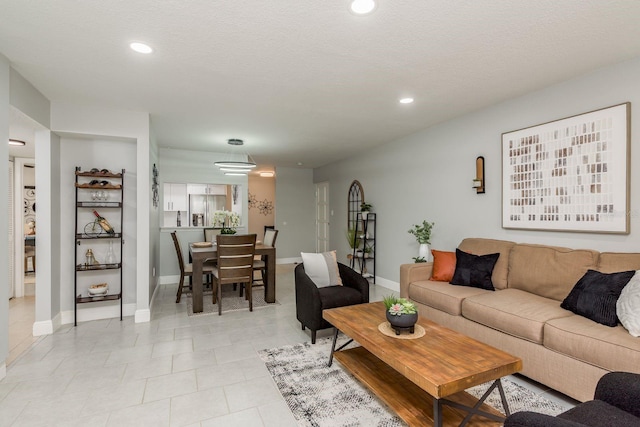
(99, 289)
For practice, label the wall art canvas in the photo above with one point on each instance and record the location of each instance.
(571, 174)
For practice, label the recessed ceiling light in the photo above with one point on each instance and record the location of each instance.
(141, 47)
(17, 142)
(266, 174)
(406, 100)
(363, 7)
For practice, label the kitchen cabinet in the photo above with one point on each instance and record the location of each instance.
(175, 197)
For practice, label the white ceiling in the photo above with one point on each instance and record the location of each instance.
(306, 80)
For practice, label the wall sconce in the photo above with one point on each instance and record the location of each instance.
(478, 182)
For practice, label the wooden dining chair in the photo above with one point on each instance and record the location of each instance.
(270, 236)
(210, 234)
(186, 269)
(235, 264)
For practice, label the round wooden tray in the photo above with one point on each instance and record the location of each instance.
(386, 329)
(202, 244)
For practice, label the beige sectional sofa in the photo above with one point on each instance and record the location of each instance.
(567, 352)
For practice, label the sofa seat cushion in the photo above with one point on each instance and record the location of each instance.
(339, 296)
(442, 296)
(608, 348)
(514, 312)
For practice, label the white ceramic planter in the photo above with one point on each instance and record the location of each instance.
(423, 251)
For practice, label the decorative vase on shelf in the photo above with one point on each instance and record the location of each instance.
(423, 251)
(110, 258)
(402, 321)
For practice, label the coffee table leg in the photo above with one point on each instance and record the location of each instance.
(437, 412)
(333, 347)
(505, 404)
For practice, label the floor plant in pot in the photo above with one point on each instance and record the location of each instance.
(401, 313)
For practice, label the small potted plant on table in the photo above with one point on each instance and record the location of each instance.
(401, 313)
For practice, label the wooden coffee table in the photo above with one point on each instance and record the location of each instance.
(422, 380)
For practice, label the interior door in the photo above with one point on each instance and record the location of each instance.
(322, 217)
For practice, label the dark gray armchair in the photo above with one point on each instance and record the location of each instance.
(311, 300)
(616, 403)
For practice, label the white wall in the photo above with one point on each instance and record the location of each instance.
(295, 212)
(101, 153)
(428, 175)
(4, 214)
(70, 120)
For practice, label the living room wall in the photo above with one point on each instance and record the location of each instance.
(428, 175)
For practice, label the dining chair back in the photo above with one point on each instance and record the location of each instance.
(186, 270)
(260, 264)
(235, 264)
(270, 236)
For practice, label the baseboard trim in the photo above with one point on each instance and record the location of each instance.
(169, 280)
(99, 313)
(143, 316)
(43, 327)
(394, 286)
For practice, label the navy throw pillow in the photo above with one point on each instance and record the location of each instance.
(474, 270)
(595, 296)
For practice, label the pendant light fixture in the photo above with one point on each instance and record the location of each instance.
(236, 167)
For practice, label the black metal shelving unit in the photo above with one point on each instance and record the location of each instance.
(110, 209)
(363, 257)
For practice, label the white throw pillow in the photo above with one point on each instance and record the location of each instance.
(628, 305)
(322, 268)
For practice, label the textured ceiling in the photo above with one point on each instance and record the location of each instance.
(306, 80)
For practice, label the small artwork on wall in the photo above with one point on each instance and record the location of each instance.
(571, 174)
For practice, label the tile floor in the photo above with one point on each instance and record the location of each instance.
(173, 371)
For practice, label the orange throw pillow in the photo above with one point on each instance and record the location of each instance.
(444, 265)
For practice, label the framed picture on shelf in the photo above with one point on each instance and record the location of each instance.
(570, 174)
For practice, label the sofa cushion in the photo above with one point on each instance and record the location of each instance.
(610, 262)
(479, 246)
(548, 271)
(595, 296)
(628, 306)
(612, 349)
(474, 270)
(513, 311)
(444, 265)
(441, 295)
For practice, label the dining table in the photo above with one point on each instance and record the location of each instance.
(200, 254)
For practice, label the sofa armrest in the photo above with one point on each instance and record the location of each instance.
(620, 389)
(353, 279)
(534, 419)
(410, 273)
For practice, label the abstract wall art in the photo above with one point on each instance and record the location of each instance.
(570, 174)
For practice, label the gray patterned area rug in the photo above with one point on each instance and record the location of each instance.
(321, 396)
(231, 301)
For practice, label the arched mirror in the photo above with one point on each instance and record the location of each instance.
(356, 197)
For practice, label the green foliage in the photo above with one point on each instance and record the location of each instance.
(354, 241)
(227, 230)
(365, 207)
(422, 232)
(397, 306)
(419, 259)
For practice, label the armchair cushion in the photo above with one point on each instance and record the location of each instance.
(322, 268)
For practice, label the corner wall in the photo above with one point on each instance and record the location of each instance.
(428, 175)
